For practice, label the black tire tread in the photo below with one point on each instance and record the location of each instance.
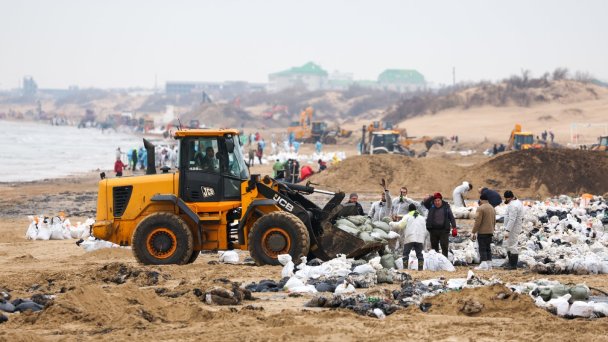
(137, 237)
(278, 215)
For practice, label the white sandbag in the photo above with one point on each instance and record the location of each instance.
(303, 289)
(600, 307)
(365, 236)
(32, 230)
(348, 229)
(379, 313)
(381, 225)
(92, 244)
(363, 269)
(287, 270)
(399, 263)
(229, 257)
(66, 233)
(44, 232)
(284, 259)
(375, 263)
(77, 232)
(86, 232)
(379, 234)
(292, 283)
(393, 235)
(456, 283)
(561, 304)
(412, 261)
(434, 261)
(56, 232)
(344, 288)
(345, 222)
(581, 309)
(357, 219)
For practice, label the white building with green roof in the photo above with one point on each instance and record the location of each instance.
(310, 75)
(401, 80)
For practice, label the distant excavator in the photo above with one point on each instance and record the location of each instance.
(310, 131)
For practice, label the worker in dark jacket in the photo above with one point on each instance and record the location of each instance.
(438, 222)
(493, 197)
(353, 198)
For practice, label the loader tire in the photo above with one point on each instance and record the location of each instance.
(161, 239)
(278, 233)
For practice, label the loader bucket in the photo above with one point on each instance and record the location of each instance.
(333, 241)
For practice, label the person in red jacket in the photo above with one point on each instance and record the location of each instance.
(305, 172)
(118, 167)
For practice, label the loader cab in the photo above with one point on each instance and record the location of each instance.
(523, 141)
(211, 168)
(384, 142)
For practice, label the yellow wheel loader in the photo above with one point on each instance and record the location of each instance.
(212, 203)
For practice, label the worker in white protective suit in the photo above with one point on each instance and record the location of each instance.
(401, 205)
(513, 221)
(412, 228)
(382, 208)
(459, 193)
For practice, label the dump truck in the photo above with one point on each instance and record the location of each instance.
(211, 202)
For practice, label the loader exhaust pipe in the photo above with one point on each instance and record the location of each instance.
(151, 169)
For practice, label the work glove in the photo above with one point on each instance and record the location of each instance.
(454, 232)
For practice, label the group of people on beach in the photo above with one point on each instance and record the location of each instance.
(432, 218)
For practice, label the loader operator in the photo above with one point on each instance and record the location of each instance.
(208, 162)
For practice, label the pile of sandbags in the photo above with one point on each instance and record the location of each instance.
(561, 237)
(57, 228)
(562, 300)
(363, 227)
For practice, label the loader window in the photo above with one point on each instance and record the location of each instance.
(202, 155)
(236, 161)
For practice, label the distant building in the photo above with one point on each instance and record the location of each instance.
(310, 75)
(30, 88)
(401, 80)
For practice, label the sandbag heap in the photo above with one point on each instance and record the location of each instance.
(341, 275)
(563, 300)
(561, 237)
(363, 228)
(57, 228)
(60, 228)
(412, 293)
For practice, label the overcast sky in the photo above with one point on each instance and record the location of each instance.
(126, 43)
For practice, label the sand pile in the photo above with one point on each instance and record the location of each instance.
(530, 173)
(363, 174)
(547, 172)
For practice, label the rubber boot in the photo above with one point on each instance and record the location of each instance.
(512, 262)
(515, 259)
(420, 264)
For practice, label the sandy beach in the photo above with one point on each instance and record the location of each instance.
(160, 302)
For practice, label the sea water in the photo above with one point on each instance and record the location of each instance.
(32, 151)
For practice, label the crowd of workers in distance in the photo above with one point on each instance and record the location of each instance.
(138, 159)
(432, 218)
